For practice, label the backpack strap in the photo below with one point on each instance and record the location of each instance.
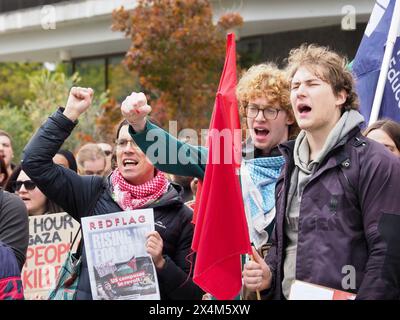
(352, 176)
(90, 213)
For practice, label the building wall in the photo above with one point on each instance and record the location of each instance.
(275, 47)
(81, 28)
(81, 34)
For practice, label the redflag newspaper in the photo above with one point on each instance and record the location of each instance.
(119, 266)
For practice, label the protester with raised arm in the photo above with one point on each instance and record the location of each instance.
(263, 97)
(134, 184)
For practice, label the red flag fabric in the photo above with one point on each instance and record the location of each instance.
(221, 234)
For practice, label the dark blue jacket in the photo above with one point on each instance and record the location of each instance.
(76, 195)
(346, 213)
(10, 275)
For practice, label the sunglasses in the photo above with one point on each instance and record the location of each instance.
(28, 184)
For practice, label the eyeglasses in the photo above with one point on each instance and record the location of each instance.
(122, 143)
(252, 111)
(28, 184)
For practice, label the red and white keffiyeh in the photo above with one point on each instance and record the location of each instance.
(130, 197)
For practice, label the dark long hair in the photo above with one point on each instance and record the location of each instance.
(390, 127)
(3, 170)
(51, 207)
(70, 158)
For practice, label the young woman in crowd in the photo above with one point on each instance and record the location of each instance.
(35, 201)
(387, 132)
(66, 159)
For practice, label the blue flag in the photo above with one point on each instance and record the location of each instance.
(368, 61)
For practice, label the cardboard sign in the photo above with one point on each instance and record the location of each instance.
(50, 238)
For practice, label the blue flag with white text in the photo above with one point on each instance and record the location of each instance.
(368, 61)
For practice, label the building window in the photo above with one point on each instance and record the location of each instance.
(92, 73)
(106, 73)
(121, 81)
(250, 51)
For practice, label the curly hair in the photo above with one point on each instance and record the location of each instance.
(327, 65)
(266, 81)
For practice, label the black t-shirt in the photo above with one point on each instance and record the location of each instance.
(14, 225)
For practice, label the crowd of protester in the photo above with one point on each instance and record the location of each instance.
(306, 162)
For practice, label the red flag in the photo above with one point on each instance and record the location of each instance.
(221, 234)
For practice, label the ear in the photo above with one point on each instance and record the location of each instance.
(289, 119)
(341, 97)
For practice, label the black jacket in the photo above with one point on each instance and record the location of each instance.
(77, 194)
(14, 225)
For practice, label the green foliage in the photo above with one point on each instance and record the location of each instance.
(17, 123)
(47, 91)
(14, 82)
(51, 90)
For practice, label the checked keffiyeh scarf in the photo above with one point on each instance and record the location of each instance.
(258, 179)
(130, 197)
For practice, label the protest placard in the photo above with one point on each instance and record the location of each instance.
(49, 242)
(119, 266)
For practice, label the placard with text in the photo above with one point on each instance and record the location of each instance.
(119, 266)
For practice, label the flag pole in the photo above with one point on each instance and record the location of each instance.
(391, 40)
(257, 291)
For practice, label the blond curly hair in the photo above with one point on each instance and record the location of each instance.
(266, 80)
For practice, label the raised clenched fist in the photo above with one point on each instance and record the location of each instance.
(135, 110)
(79, 100)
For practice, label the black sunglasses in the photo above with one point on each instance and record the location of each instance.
(29, 185)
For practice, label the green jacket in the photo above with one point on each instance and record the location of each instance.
(170, 155)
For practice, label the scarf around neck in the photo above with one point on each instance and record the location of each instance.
(130, 197)
(258, 178)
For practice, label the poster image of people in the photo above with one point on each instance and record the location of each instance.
(131, 279)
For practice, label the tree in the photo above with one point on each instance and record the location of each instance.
(14, 81)
(49, 90)
(178, 53)
(17, 123)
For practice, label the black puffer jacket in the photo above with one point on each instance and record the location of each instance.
(77, 194)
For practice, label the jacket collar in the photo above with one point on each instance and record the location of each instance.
(248, 149)
(338, 152)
